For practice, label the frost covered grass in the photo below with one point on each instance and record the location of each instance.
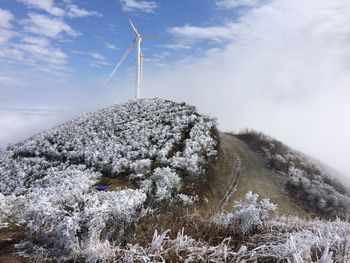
(314, 185)
(308, 241)
(47, 181)
(221, 239)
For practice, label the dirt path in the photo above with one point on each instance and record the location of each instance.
(233, 182)
(8, 237)
(239, 170)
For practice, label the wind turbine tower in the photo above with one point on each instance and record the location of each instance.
(139, 58)
(139, 61)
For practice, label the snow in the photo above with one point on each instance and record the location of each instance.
(48, 180)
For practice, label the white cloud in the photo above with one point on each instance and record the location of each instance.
(286, 72)
(47, 5)
(230, 4)
(193, 33)
(10, 53)
(40, 49)
(16, 125)
(75, 11)
(6, 35)
(7, 80)
(47, 26)
(111, 46)
(5, 18)
(97, 56)
(71, 10)
(99, 60)
(137, 5)
(178, 46)
(33, 53)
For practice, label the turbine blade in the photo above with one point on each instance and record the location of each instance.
(150, 58)
(122, 4)
(133, 27)
(163, 37)
(122, 59)
(151, 36)
(130, 21)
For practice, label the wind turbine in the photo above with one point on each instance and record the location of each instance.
(139, 57)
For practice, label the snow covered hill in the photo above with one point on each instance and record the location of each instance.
(48, 180)
(162, 165)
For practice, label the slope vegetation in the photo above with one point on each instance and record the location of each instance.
(161, 165)
(48, 181)
(237, 170)
(311, 184)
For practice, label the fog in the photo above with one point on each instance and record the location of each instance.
(285, 73)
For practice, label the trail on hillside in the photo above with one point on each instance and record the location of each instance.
(239, 170)
(233, 181)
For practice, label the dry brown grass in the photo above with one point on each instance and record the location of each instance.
(194, 223)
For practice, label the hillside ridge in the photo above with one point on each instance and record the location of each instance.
(151, 156)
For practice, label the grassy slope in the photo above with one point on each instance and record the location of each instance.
(237, 161)
(237, 165)
(221, 175)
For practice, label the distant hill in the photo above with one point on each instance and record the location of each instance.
(79, 190)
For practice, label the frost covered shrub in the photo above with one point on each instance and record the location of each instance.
(312, 183)
(247, 216)
(198, 148)
(120, 140)
(320, 197)
(141, 166)
(51, 176)
(68, 221)
(165, 183)
(11, 209)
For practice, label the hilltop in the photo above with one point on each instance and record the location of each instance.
(162, 165)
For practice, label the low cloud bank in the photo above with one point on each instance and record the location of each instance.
(285, 74)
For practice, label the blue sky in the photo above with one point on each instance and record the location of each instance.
(278, 66)
(75, 44)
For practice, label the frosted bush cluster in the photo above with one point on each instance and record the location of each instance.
(246, 216)
(71, 221)
(323, 197)
(50, 177)
(166, 182)
(284, 239)
(199, 141)
(11, 209)
(119, 140)
(307, 180)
